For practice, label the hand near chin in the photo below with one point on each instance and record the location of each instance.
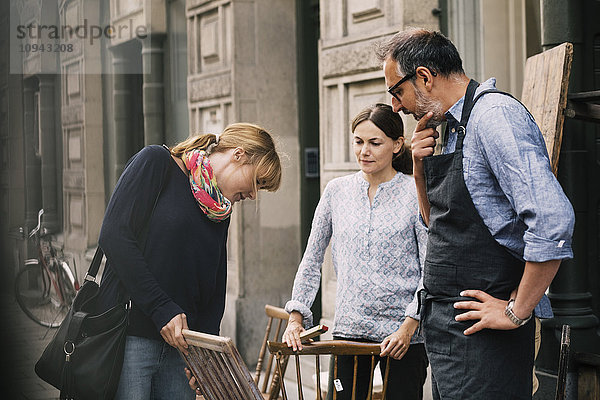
(423, 140)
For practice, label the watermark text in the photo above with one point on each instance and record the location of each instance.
(85, 31)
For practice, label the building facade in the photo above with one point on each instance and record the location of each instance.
(300, 68)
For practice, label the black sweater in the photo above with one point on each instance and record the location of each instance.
(183, 267)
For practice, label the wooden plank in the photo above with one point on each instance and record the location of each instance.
(244, 374)
(206, 341)
(194, 364)
(197, 364)
(230, 382)
(213, 377)
(545, 86)
(338, 347)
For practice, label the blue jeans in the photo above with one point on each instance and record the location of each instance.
(152, 370)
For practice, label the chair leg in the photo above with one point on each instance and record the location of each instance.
(275, 379)
(281, 384)
(565, 345)
(355, 378)
(335, 375)
(385, 378)
(299, 378)
(370, 395)
(270, 362)
(261, 354)
(318, 370)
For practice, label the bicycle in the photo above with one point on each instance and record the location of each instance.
(45, 287)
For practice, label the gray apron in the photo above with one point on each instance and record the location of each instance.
(462, 254)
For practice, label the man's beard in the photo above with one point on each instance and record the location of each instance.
(423, 105)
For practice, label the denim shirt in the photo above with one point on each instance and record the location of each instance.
(507, 173)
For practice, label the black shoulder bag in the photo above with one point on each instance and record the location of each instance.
(84, 358)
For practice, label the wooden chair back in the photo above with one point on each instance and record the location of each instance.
(334, 348)
(545, 86)
(277, 319)
(218, 368)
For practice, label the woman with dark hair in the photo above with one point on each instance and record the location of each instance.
(377, 248)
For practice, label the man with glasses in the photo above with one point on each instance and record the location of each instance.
(499, 222)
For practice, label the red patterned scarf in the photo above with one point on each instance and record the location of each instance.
(204, 186)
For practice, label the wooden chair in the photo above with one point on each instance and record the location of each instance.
(218, 368)
(277, 319)
(328, 347)
(226, 370)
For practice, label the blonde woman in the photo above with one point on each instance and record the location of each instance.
(170, 258)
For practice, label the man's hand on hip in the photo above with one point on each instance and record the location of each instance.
(488, 310)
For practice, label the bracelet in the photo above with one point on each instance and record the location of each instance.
(511, 315)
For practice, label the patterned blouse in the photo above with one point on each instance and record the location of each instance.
(377, 250)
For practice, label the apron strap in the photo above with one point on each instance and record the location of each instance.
(469, 102)
(468, 105)
(466, 112)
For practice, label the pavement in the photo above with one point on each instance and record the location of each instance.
(23, 341)
(308, 376)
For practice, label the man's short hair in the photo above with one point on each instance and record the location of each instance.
(417, 47)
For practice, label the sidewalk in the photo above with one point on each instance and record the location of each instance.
(22, 343)
(309, 380)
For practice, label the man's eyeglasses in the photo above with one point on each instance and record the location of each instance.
(392, 90)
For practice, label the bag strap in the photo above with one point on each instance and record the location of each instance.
(95, 265)
(74, 328)
(67, 381)
(97, 260)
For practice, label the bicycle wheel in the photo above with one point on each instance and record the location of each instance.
(40, 295)
(67, 283)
